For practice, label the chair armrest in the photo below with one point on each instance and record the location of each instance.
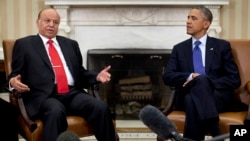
(170, 104)
(17, 97)
(248, 87)
(17, 100)
(247, 118)
(94, 90)
(248, 91)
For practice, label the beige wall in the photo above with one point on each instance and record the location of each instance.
(235, 20)
(17, 18)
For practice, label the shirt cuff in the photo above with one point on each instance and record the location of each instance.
(10, 88)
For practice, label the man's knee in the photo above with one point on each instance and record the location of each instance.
(102, 107)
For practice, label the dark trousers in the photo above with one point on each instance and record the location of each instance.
(54, 110)
(8, 121)
(201, 109)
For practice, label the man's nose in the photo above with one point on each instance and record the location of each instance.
(51, 23)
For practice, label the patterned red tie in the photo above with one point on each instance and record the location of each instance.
(61, 79)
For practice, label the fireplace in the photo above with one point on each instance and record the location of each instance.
(136, 78)
(135, 37)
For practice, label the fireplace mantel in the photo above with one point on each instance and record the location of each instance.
(136, 2)
(116, 24)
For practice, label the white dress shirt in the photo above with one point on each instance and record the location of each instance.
(66, 68)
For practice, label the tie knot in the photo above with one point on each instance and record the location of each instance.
(197, 43)
(50, 41)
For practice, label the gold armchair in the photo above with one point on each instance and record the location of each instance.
(241, 52)
(32, 130)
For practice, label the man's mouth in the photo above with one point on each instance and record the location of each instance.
(50, 30)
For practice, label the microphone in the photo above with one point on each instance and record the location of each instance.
(68, 136)
(165, 128)
(160, 124)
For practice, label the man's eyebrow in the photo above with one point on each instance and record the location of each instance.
(193, 17)
(190, 16)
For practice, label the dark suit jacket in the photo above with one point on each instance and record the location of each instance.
(30, 59)
(219, 66)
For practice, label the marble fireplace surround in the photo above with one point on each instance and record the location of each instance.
(121, 24)
(157, 24)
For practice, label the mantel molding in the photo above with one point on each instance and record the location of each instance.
(136, 2)
(100, 24)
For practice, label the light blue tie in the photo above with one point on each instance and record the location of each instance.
(197, 59)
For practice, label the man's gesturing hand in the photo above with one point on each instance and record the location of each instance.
(104, 76)
(16, 83)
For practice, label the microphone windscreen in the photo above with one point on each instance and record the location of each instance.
(68, 136)
(157, 121)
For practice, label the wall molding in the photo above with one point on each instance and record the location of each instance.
(136, 2)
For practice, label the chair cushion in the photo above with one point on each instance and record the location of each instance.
(79, 125)
(178, 117)
(231, 118)
(226, 119)
(75, 123)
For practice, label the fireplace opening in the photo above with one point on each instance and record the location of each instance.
(136, 79)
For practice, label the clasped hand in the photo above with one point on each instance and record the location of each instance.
(193, 76)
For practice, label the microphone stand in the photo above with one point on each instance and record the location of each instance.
(220, 137)
(177, 137)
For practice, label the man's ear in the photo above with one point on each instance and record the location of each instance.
(207, 24)
(37, 22)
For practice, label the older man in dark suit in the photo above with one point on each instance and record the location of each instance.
(48, 69)
(204, 74)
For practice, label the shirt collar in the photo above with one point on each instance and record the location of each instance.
(45, 39)
(203, 40)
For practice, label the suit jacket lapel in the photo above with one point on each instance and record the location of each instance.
(210, 50)
(66, 52)
(38, 43)
(189, 49)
